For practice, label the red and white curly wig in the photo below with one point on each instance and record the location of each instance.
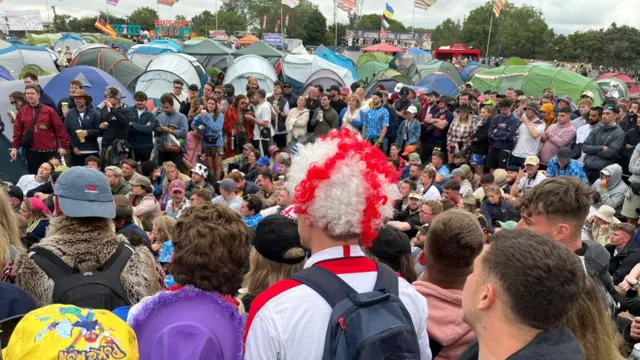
(344, 185)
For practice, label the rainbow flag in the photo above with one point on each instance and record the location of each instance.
(105, 27)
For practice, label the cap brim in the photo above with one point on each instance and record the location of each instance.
(531, 163)
(84, 209)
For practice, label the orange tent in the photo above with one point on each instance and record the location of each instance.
(248, 40)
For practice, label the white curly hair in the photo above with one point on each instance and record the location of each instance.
(344, 185)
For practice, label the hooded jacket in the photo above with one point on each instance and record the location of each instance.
(634, 165)
(445, 324)
(502, 131)
(555, 344)
(610, 136)
(83, 243)
(616, 189)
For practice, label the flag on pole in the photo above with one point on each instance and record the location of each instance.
(387, 15)
(112, 2)
(347, 5)
(102, 25)
(277, 25)
(264, 22)
(291, 3)
(388, 12)
(424, 4)
(385, 23)
(498, 5)
(286, 20)
(167, 2)
(383, 33)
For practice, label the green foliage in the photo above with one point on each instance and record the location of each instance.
(373, 22)
(330, 38)
(446, 33)
(143, 16)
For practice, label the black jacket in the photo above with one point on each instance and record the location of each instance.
(250, 188)
(46, 99)
(118, 119)
(621, 264)
(141, 134)
(480, 141)
(555, 344)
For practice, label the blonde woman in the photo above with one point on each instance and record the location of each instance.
(162, 231)
(351, 117)
(277, 254)
(10, 243)
(297, 119)
(461, 132)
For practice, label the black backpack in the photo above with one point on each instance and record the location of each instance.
(372, 325)
(94, 289)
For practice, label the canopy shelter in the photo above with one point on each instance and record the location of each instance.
(335, 58)
(367, 71)
(614, 87)
(440, 82)
(247, 40)
(417, 72)
(373, 56)
(389, 85)
(15, 57)
(261, 49)
(251, 65)
(74, 42)
(298, 69)
(299, 50)
(42, 39)
(382, 47)
(324, 77)
(142, 55)
(532, 80)
(160, 73)
(93, 82)
(514, 61)
(107, 59)
(210, 53)
(449, 53)
(470, 70)
(631, 85)
(392, 74)
(5, 75)
(166, 44)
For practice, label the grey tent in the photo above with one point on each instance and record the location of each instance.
(210, 54)
(261, 49)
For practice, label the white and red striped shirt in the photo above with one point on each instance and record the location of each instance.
(289, 320)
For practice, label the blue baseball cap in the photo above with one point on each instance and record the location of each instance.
(84, 192)
(263, 161)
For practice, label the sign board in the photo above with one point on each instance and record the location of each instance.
(272, 38)
(390, 35)
(218, 35)
(170, 28)
(126, 29)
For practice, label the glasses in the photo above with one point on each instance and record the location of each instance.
(425, 213)
(178, 87)
(217, 92)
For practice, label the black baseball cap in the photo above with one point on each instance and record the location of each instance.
(15, 192)
(286, 85)
(390, 244)
(275, 235)
(334, 88)
(404, 91)
(564, 154)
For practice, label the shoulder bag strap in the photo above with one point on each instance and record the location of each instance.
(329, 285)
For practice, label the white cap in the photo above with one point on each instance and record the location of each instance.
(398, 87)
(412, 109)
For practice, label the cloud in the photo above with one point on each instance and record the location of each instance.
(563, 16)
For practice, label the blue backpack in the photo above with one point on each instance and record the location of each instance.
(372, 325)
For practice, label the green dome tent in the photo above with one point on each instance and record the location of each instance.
(417, 72)
(35, 69)
(367, 71)
(514, 61)
(373, 56)
(392, 74)
(43, 39)
(534, 79)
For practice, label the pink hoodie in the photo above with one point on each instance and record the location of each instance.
(445, 324)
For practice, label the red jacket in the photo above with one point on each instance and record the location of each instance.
(229, 125)
(48, 133)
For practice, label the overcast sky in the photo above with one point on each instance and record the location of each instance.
(564, 16)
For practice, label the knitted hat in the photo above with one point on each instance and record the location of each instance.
(343, 171)
(188, 324)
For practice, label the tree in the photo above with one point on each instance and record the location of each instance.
(203, 22)
(446, 33)
(180, 17)
(145, 17)
(61, 22)
(231, 22)
(342, 32)
(373, 22)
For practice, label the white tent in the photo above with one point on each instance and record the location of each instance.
(160, 73)
(299, 50)
(251, 65)
(6, 88)
(73, 41)
(16, 57)
(142, 55)
(300, 68)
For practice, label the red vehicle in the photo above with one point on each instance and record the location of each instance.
(456, 50)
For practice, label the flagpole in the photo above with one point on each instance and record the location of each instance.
(216, 5)
(106, 6)
(489, 38)
(281, 26)
(335, 20)
(413, 19)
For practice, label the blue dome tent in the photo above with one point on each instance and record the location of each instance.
(5, 75)
(93, 82)
(74, 42)
(166, 44)
(327, 54)
(142, 55)
(470, 70)
(440, 82)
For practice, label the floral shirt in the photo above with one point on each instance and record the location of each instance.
(176, 213)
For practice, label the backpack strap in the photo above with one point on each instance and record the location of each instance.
(387, 279)
(329, 285)
(119, 259)
(51, 264)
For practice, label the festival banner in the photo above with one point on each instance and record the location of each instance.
(170, 28)
(20, 20)
(105, 27)
(112, 2)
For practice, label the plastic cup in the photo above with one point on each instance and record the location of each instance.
(80, 137)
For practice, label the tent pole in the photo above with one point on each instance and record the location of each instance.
(489, 38)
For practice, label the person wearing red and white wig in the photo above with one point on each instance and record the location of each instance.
(343, 189)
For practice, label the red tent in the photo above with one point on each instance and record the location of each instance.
(633, 87)
(383, 48)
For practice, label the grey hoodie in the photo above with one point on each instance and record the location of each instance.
(634, 165)
(616, 189)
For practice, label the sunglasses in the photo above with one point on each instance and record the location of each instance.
(13, 102)
(218, 92)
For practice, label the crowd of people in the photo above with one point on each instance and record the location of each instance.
(275, 226)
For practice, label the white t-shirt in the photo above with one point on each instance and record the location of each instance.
(526, 183)
(27, 183)
(527, 145)
(581, 136)
(432, 194)
(263, 112)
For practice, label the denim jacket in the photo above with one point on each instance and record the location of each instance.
(207, 127)
(413, 132)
